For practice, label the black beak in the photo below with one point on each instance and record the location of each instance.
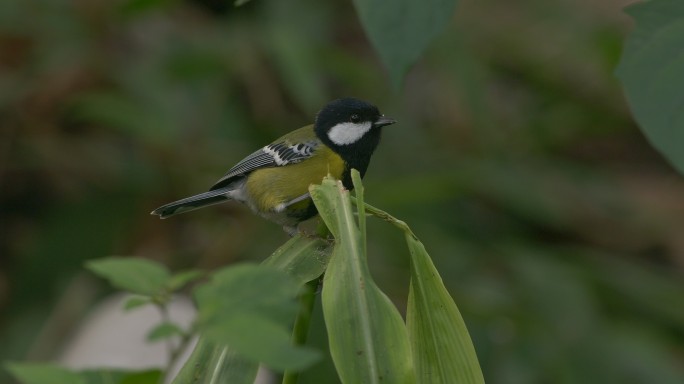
(382, 121)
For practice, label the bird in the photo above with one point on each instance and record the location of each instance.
(274, 181)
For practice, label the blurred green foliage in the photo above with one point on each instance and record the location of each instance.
(555, 226)
(651, 73)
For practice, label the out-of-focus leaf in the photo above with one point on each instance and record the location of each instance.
(42, 373)
(368, 339)
(134, 7)
(249, 308)
(651, 73)
(261, 339)
(180, 279)
(147, 377)
(136, 302)
(164, 331)
(141, 276)
(303, 258)
(295, 61)
(107, 376)
(140, 118)
(402, 30)
(441, 346)
(215, 363)
(39, 373)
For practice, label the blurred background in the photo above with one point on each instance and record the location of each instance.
(557, 228)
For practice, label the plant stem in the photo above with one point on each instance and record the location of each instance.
(379, 213)
(300, 331)
(174, 353)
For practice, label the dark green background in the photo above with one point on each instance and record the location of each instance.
(555, 225)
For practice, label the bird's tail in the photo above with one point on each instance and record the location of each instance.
(193, 202)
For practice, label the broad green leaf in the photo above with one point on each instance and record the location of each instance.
(303, 258)
(212, 363)
(401, 30)
(181, 279)
(134, 302)
(368, 339)
(261, 339)
(141, 276)
(441, 345)
(40, 373)
(250, 308)
(652, 73)
(45, 373)
(163, 331)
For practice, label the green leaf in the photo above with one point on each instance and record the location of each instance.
(152, 376)
(141, 276)
(401, 30)
(261, 339)
(117, 376)
(163, 331)
(303, 258)
(441, 345)
(139, 117)
(41, 373)
(215, 363)
(652, 73)
(368, 339)
(250, 308)
(45, 373)
(136, 302)
(181, 279)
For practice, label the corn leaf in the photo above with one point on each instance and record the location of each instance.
(441, 345)
(367, 336)
(303, 258)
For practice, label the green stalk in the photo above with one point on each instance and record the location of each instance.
(379, 213)
(300, 330)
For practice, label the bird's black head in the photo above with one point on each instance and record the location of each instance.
(346, 123)
(351, 127)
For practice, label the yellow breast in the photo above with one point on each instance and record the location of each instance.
(269, 187)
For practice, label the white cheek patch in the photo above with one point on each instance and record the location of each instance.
(348, 133)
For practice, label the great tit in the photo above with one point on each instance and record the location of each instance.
(274, 181)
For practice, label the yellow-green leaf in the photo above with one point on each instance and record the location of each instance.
(368, 339)
(303, 258)
(441, 345)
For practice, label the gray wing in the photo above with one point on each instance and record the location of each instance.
(273, 155)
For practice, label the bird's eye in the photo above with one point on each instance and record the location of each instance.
(355, 118)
